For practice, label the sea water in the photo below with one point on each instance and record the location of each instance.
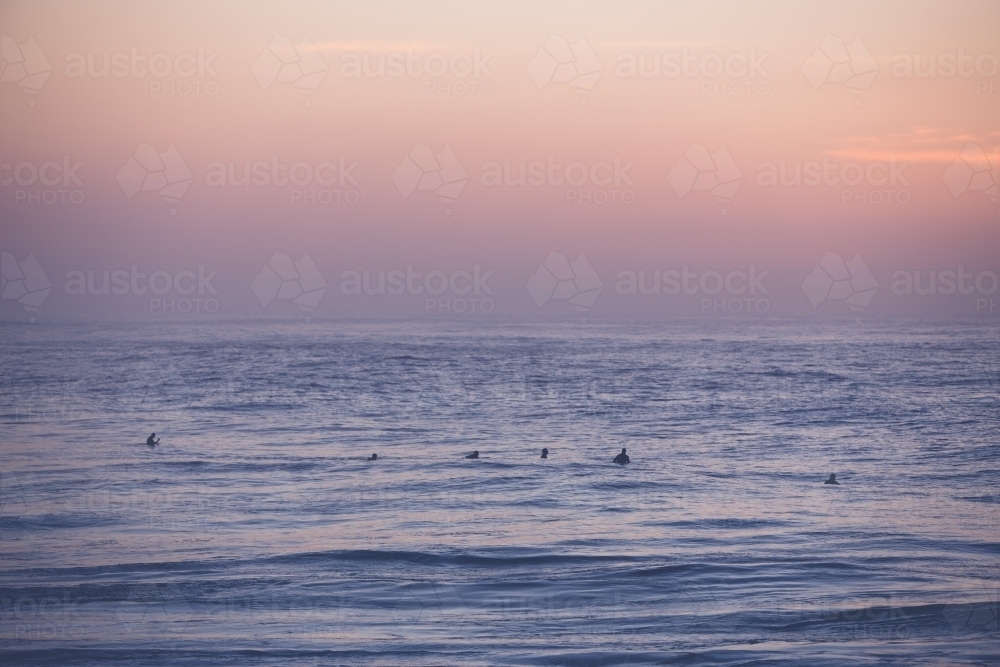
(257, 533)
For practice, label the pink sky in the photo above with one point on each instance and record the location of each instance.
(883, 123)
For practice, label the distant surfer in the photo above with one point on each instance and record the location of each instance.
(373, 457)
(622, 458)
(545, 452)
(152, 440)
(833, 479)
(473, 455)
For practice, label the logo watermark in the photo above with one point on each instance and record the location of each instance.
(281, 61)
(561, 280)
(149, 171)
(424, 170)
(50, 182)
(836, 62)
(735, 292)
(24, 282)
(881, 182)
(947, 66)
(19, 492)
(836, 280)
(326, 182)
(731, 74)
(182, 292)
(459, 74)
(602, 182)
(976, 610)
(560, 62)
(455, 292)
(715, 173)
(184, 75)
(53, 617)
(284, 279)
(949, 282)
(24, 64)
(154, 609)
(974, 171)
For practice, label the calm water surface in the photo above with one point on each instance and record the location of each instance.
(256, 533)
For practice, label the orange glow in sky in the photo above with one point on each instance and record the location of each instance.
(648, 136)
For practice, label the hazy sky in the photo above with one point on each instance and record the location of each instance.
(375, 136)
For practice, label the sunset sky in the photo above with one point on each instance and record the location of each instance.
(842, 91)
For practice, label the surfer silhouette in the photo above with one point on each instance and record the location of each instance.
(150, 440)
(545, 452)
(622, 458)
(373, 457)
(833, 479)
(473, 455)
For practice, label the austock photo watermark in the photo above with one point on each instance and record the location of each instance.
(165, 610)
(324, 182)
(460, 292)
(855, 182)
(188, 291)
(837, 60)
(433, 292)
(619, 333)
(873, 182)
(54, 181)
(576, 282)
(853, 283)
(732, 292)
(28, 495)
(740, 73)
(181, 74)
(53, 616)
(150, 382)
(856, 616)
(299, 62)
(24, 281)
(24, 65)
(978, 287)
(178, 74)
(37, 401)
(747, 291)
(441, 172)
(454, 74)
(737, 73)
(600, 182)
(848, 61)
(978, 68)
(334, 181)
(330, 182)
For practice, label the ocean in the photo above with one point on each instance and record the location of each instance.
(257, 533)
